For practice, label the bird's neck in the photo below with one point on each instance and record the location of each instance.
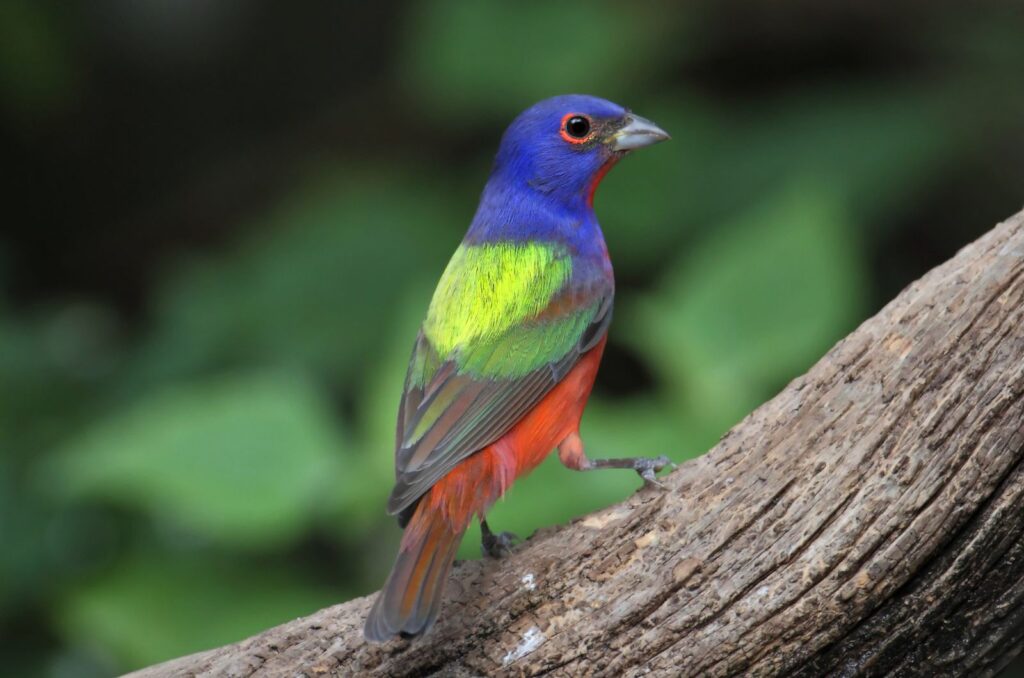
(515, 210)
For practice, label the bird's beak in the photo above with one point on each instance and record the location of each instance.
(637, 133)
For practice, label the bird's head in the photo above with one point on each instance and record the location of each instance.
(563, 146)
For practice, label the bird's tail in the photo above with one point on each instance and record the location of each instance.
(409, 602)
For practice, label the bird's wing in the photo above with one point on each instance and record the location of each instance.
(474, 373)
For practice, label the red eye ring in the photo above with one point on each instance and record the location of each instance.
(576, 128)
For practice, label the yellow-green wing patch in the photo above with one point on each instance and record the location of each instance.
(520, 350)
(488, 289)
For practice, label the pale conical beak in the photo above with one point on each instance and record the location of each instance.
(637, 133)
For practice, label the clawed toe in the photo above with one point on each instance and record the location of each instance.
(495, 545)
(650, 479)
(664, 462)
(498, 545)
(648, 468)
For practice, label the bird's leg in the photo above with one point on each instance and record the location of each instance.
(571, 454)
(495, 545)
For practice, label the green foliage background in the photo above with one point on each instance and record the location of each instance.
(204, 322)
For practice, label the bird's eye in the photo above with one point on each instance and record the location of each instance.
(575, 128)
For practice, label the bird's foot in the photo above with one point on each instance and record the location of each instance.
(646, 467)
(496, 545)
(649, 467)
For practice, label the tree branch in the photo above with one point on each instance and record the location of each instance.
(866, 520)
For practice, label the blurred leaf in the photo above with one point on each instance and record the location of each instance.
(754, 304)
(374, 464)
(241, 459)
(20, 522)
(497, 57)
(313, 286)
(54, 363)
(659, 195)
(153, 609)
(875, 147)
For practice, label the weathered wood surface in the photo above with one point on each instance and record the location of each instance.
(868, 520)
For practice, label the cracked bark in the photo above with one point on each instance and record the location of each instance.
(866, 521)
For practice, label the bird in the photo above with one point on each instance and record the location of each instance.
(507, 355)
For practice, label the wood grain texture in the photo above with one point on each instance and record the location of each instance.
(868, 520)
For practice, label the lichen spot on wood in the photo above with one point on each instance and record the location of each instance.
(685, 569)
(646, 540)
(532, 639)
(528, 582)
(600, 520)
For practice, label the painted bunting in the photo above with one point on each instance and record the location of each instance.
(507, 355)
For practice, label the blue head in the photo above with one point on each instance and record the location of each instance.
(550, 161)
